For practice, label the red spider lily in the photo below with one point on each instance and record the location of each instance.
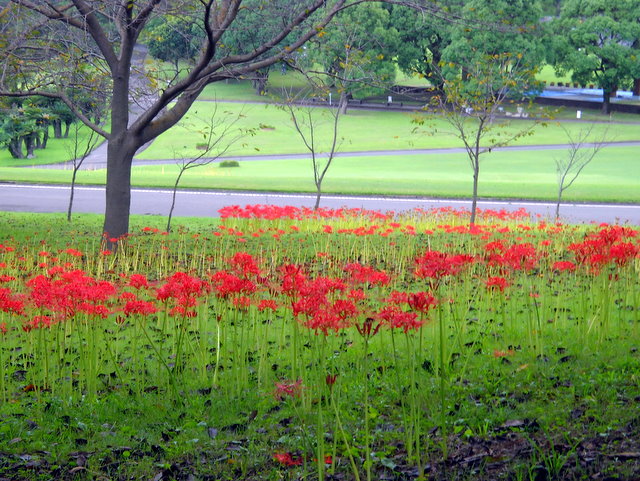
(293, 279)
(286, 389)
(367, 329)
(70, 292)
(396, 318)
(242, 302)
(421, 301)
(138, 281)
(515, 257)
(497, 353)
(136, 306)
(3, 328)
(331, 379)
(499, 283)
(359, 274)
(37, 322)
(397, 298)
(227, 285)
(562, 266)
(74, 252)
(332, 316)
(265, 304)
(436, 265)
(184, 290)
(243, 265)
(286, 459)
(10, 303)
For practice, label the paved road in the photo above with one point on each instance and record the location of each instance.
(48, 198)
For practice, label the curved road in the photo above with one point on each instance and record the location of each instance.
(90, 199)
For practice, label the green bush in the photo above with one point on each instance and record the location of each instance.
(229, 163)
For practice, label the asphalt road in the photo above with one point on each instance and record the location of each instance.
(50, 198)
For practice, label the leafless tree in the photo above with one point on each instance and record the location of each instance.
(582, 148)
(79, 151)
(306, 121)
(219, 136)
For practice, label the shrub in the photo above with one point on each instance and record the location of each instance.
(229, 163)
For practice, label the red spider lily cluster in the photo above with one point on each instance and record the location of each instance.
(355, 295)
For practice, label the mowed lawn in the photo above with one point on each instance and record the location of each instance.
(614, 176)
(272, 131)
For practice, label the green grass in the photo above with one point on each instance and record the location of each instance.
(613, 176)
(548, 74)
(361, 130)
(58, 150)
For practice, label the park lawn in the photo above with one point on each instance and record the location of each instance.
(58, 150)
(360, 130)
(613, 176)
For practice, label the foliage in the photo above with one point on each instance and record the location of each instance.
(597, 42)
(357, 51)
(172, 39)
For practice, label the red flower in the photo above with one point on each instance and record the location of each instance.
(421, 301)
(138, 281)
(562, 266)
(496, 282)
(288, 389)
(287, 459)
(267, 304)
(396, 318)
(139, 307)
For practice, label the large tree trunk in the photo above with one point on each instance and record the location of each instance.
(30, 144)
(636, 87)
(120, 154)
(57, 129)
(606, 102)
(15, 148)
(45, 138)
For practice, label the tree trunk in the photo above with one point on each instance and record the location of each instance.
(318, 195)
(71, 195)
(260, 82)
(344, 103)
(558, 203)
(57, 129)
(173, 199)
(15, 148)
(30, 144)
(118, 190)
(606, 102)
(636, 87)
(67, 125)
(474, 199)
(45, 138)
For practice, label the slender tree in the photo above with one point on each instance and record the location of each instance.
(583, 146)
(219, 135)
(79, 150)
(473, 106)
(307, 120)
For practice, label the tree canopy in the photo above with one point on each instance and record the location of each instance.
(597, 41)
